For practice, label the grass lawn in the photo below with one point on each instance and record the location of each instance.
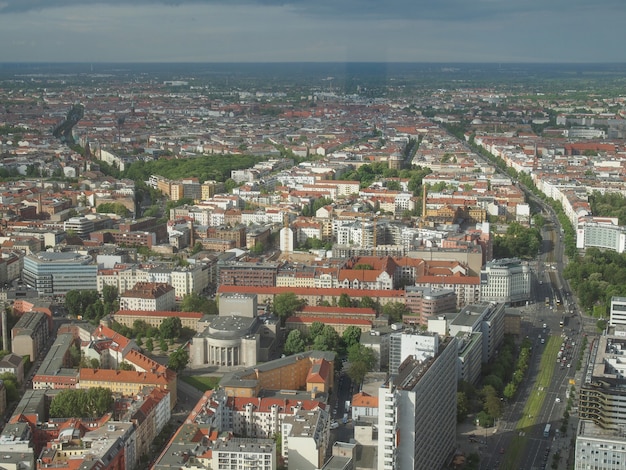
(202, 383)
(533, 405)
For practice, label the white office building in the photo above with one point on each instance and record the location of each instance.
(402, 344)
(506, 281)
(417, 413)
(601, 233)
(618, 311)
(599, 449)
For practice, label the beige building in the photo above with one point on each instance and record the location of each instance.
(128, 318)
(151, 296)
(30, 334)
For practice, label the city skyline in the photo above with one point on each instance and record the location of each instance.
(322, 31)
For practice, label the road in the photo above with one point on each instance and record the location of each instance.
(540, 322)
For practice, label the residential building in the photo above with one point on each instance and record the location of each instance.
(417, 412)
(484, 317)
(425, 303)
(305, 439)
(602, 395)
(30, 335)
(154, 319)
(601, 232)
(149, 296)
(405, 343)
(13, 364)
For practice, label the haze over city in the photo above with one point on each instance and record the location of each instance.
(320, 31)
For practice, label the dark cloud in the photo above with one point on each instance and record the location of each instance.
(443, 10)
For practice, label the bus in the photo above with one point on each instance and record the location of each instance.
(546, 431)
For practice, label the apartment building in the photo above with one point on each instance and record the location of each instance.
(30, 334)
(601, 397)
(483, 317)
(417, 412)
(155, 318)
(419, 345)
(149, 296)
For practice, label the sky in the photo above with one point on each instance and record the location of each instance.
(550, 31)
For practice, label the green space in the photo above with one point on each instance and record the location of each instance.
(201, 382)
(533, 405)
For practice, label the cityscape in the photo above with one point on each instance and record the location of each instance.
(310, 265)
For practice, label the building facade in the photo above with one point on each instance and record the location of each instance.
(506, 281)
(417, 413)
(52, 273)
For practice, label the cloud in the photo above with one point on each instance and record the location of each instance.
(439, 10)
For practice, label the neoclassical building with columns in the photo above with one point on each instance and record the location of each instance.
(237, 337)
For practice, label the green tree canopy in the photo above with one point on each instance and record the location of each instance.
(361, 360)
(351, 336)
(171, 327)
(344, 300)
(286, 305)
(395, 311)
(198, 303)
(294, 343)
(327, 340)
(113, 208)
(90, 403)
(178, 359)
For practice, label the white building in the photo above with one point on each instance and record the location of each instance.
(417, 413)
(305, 439)
(506, 281)
(403, 344)
(601, 233)
(599, 449)
(618, 311)
(484, 317)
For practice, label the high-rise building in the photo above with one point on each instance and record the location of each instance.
(417, 412)
(402, 344)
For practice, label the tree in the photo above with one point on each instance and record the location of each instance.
(90, 403)
(171, 327)
(462, 407)
(140, 328)
(361, 360)
(395, 311)
(344, 300)
(327, 340)
(125, 366)
(149, 344)
(315, 329)
(197, 303)
(286, 304)
(351, 335)
(75, 355)
(109, 294)
(294, 343)
(10, 384)
(368, 302)
(178, 359)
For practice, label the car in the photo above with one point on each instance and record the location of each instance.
(334, 425)
(502, 450)
(558, 400)
(569, 365)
